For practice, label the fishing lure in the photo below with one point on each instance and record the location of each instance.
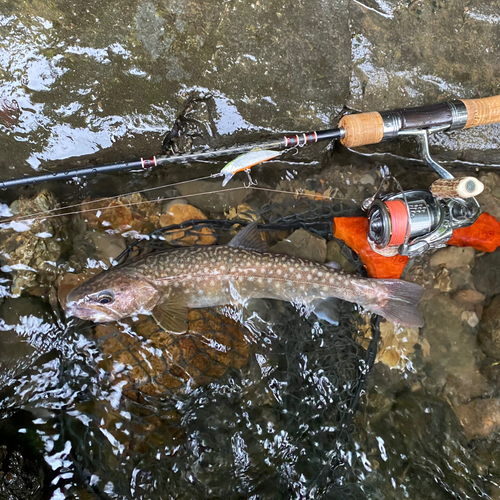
(245, 162)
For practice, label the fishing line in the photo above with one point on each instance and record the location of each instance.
(50, 214)
(110, 198)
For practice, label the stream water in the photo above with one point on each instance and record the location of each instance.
(286, 407)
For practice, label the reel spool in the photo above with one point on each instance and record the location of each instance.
(394, 221)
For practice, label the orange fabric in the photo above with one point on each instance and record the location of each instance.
(353, 231)
(483, 235)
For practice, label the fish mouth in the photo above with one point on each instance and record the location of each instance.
(75, 308)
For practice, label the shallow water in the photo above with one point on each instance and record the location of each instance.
(269, 412)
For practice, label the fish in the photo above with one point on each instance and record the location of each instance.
(167, 283)
(247, 161)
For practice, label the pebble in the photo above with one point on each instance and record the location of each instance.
(469, 297)
(453, 257)
(470, 317)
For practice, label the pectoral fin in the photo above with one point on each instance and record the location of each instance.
(172, 314)
(327, 310)
(333, 265)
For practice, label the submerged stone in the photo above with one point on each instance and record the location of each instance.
(304, 245)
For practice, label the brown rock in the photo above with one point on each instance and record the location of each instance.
(178, 213)
(70, 281)
(126, 213)
(479, 417)
(469, 298)
(155, 362)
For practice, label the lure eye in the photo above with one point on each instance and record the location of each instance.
(105, 297)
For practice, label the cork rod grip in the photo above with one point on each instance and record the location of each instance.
(482, 111)
(361, 129)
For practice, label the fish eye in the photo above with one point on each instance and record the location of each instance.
(105, 297)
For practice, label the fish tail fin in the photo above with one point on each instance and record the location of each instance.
(399, 302)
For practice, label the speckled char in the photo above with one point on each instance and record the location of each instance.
(211, 276)
(166, 284)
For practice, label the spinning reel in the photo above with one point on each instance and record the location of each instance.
(412, 222)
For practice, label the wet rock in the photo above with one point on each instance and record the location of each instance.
(486, 274)
(469, 298)
(108, 246)
(70, 281)
(120, 215)
(480, 417)
(155, 362)
(334, 254)
(453, 350)
(304, 245)
(443, 280)
(243, 212)
(392, 69)
(453, 257)
(488, 335)
(396, 344)
(178, 213)
(30, 249)
(218, 201)
(490, 198)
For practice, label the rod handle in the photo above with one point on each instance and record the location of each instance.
(370, 128)
(482, 111)
(362, 129)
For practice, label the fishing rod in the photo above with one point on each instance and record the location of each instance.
(353, 130)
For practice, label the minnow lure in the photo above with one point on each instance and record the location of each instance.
(247, 161)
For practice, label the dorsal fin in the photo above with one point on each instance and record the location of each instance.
(249, 239)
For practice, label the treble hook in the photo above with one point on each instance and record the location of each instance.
(251, 182)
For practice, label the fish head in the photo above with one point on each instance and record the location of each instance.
(112, 295)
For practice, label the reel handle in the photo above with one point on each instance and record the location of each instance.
(373, 127)
(462, 187)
